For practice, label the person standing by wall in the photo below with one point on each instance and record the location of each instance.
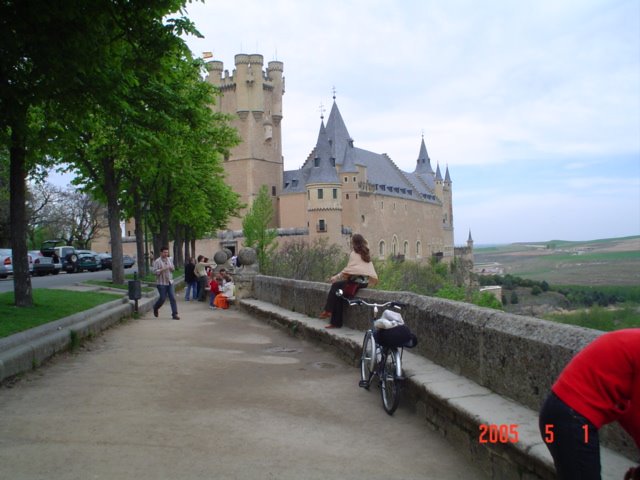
(163, 268)
(191, 280)
(201, 275)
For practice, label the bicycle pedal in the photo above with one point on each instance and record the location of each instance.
(363, 383)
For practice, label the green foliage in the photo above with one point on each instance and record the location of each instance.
(514, 298)
(256, 227)
(600, 318)
(486, 299)
(536, 290)
(303, 261)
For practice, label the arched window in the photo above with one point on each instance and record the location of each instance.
(418, 249)
(394, 246)
(381, 248)
(405, 250)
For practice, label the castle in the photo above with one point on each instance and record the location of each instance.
(340, 189)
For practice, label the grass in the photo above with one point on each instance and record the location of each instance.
(49, 305)
(600, 318)
(109, 284)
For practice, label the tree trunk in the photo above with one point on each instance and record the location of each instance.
(139, 232)
(113, 214)
(22, 289)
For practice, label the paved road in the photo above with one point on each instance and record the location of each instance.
(215, 395)
(61, 280)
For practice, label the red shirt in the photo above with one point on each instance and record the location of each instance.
(602, 382)
(214, 287)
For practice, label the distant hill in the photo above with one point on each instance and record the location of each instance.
(611, 261)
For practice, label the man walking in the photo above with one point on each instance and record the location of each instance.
(163, 268)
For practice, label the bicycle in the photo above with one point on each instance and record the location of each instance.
(382, 361)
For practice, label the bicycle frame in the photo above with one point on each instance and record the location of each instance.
(376, 359)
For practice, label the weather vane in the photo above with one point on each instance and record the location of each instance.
(321, 111)
(334, 92)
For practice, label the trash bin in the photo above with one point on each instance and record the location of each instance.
(135, 290)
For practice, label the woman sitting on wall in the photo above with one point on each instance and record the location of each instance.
(359, 265)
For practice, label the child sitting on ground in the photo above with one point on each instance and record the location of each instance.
(214, 288)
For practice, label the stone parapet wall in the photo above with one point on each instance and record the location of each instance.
(515, 356)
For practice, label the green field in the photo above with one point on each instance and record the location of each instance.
(598, 262)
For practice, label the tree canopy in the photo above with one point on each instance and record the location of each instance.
(111, 89)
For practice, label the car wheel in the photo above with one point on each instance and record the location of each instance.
(55, 272)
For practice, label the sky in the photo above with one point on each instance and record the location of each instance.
(533, 105)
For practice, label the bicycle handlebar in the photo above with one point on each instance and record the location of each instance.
(360, 301)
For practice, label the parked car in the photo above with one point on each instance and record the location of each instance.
(6, 262)
(42, 265)
(128, 261)
(64, 254)
(87, 260)
(105, 260)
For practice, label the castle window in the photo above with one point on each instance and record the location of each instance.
(347, 196)
(346, 179)
(333, 162)
(335, 193)
(286, 185)
(294, 183)
(273, 190)
(320, 194)
(356, 196)
(354, 179)
(381, 248)
(322, 226)
(405, 249)
(418, 249)
(316, 162)
(362, 218)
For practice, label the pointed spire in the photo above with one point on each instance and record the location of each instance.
(322, 167)
(438, 174)
(337, 132)
(447, 177)
(423, 165)
(469, 239)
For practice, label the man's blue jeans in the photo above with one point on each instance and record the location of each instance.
(166, 291)
(572, 440)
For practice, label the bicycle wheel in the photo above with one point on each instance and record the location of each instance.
(367, 359)
(389, 382)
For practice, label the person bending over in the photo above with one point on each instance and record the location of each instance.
(600, 385)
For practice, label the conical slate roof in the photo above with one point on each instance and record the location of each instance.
(334, 151)
(337, 132)
(349, 161)
(423, 165)
(322, 169)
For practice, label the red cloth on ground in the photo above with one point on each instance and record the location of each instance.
(602, 382)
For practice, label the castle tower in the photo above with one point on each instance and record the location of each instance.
(324, 192)
(253, 96)
(447, 199)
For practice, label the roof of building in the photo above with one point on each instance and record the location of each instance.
(335, 148)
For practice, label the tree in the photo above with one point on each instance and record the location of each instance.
(255, 227)
(62, 57)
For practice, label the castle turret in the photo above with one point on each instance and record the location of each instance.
(324, 192)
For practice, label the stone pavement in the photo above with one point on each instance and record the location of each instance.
(217, 394)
